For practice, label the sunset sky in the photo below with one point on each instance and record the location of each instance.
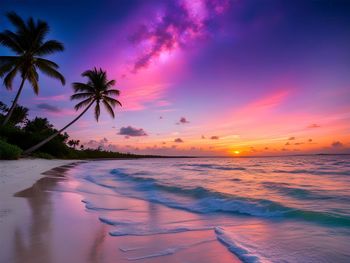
(202, 77)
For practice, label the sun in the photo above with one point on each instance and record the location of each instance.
(236, 152)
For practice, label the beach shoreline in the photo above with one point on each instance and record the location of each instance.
(44, 224)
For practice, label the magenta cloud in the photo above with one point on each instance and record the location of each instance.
(183, 120)
(176, 26)
(48, 107)
(132, 132)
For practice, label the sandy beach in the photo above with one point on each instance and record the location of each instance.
(44, 220)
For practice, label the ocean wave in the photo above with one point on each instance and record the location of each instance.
(165, 252)
(244, 252)
(295, 192)
(132, 228)
(214, 166)
(202, 200)
(90, 206)
(313, 172)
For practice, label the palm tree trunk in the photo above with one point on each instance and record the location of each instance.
(35, 147)
(14, 103)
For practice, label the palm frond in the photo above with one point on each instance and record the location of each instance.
(97, 110)
(110, 83)
(46, 61)
(83, 103)
(4, 60)
(17, 21)
(6, 68)
(33, 78)
(51, 72)
(49, 47)
(112, 101)
(78, 86)
(42, 29)
(10, 40)
(82, 95)
(112, 92)
(108, 108)
(8, 80)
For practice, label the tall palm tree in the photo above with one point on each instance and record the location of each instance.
(96, 91)
(29, 45)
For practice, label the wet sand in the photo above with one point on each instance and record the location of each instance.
(54, 226)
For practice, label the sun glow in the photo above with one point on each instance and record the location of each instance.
(236, 152)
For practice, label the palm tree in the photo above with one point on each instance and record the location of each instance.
(29, 45)
(97, 90)
(73, 143)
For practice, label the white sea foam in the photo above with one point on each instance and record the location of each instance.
(243, 251)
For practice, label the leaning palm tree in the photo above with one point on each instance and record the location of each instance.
(29, 45)
(96, 91)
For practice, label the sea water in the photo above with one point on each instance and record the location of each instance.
(275, 209)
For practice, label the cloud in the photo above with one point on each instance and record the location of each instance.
(178, 140)
(141, 97)
(62, 97)
(203, 137)
(337, 144)
(310, 140)
(176, 26)
(291, 138)
(132, 132)
(287, 143)
(102, 143)
(183, 120)
(214, 137)
(48, 107)
(314, 125)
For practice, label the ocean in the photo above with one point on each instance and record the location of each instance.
(271, 209)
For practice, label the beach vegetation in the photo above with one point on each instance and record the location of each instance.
(28, 43)
(9, 151)
(97, 91)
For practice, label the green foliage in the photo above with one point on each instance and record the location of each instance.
(19, 115)
(98, 154)
(9, 151)
(98, 90)
(27, 42)
(43, 155)
(35, 130)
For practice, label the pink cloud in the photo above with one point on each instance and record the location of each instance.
(140, 97)
(62, 112)
(61, 97)
(267, 103)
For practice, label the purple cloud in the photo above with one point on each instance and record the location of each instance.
(176, 26)
(214, 137)
(183, 120)
(337, 144)
(178, 140)
(48, 107)
(132, 132)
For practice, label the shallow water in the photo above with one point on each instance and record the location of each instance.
(278, 209)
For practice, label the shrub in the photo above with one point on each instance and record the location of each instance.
(43, 155)
(9, 151)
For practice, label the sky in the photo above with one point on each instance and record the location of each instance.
(201, 77)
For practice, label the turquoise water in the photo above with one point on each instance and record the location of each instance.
(278, 209)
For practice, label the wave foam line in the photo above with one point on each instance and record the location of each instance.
(242, 251)
(170, 251)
